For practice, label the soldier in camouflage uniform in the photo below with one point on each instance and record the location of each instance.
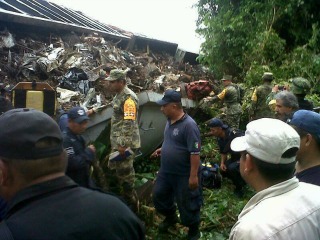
(259, 108)
(230, 96)
(300, 87)
(124, 134)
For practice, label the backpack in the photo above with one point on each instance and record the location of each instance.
(196, 90)
(241, 92)
(210, 176)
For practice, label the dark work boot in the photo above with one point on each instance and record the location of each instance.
(168, 222)
(193, 233)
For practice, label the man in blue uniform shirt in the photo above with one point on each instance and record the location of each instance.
(178, 177)
(307, 124)
(80, 156)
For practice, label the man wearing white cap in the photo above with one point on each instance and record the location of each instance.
(283, 208)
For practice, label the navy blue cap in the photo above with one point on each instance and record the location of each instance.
(308, 121)
(170, 96)
(216, 122)
(78, 114)
(22, 128)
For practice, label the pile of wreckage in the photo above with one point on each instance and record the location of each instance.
(75, 65)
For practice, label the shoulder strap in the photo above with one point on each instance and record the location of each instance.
(237, 87)
(5, 233)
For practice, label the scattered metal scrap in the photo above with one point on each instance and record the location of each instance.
(79, 63)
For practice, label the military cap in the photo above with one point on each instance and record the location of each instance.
(116, 74)
(267, 76)
(226, 77)
(300, 85)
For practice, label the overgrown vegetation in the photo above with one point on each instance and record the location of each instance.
(246, 38)
(221, 207)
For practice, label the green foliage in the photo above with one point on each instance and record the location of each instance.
(246, 38)
(221, 209)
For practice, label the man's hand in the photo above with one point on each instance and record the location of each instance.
(156, 153)
(223, 167)
(207, 99)
(122, 150)
(92, 148)
(275, 88)
(193, 182)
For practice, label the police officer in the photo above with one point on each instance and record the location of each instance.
(259, 108)
(124, 134)
(300, 87)
(80, 157)
(43, 203)
(229, 165)
(230, 96)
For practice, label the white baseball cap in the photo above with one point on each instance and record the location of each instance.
(267, 139)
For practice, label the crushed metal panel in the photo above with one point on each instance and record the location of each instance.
(183, 56)
(155, 45)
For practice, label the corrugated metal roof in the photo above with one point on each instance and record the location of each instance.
(37, 10)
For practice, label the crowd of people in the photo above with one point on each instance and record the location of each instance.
(47, 192)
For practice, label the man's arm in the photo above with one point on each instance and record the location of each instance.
(195, 163)
(129, 117)
(77, 161)
(215, 98)
(224, 157)
(253, 105)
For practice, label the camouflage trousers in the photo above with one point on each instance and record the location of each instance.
(233, 120)
(120, 180)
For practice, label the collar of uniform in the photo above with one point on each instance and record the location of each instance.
(71, 134)
(308, 171)
(36, 190)
(185, 115)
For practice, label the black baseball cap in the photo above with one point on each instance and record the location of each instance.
(78, 114)
(216, 122)
(170, 96)
(22, 128)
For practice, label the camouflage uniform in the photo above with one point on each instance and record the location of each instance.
(300, 87)
(259, 108)
(124, 132)
(230, 96)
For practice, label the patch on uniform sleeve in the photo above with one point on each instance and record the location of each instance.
(222, 94)
(130, 110)
(70, 151)
(254, 97)
(196, 145)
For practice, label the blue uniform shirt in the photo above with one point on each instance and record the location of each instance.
(181, 139)
(310, 175)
